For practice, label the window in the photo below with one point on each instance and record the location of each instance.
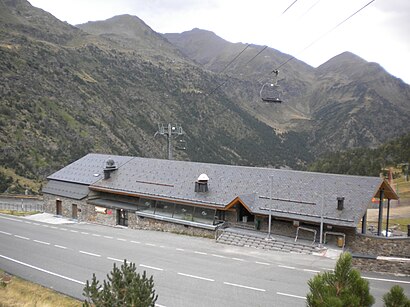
(146, 205)
(184, 212)
(164, 208)
(204, 215)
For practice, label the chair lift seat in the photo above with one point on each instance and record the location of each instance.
(271, 99)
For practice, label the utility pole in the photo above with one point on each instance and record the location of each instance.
(169, 131)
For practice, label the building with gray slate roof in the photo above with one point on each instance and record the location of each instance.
(198, 198)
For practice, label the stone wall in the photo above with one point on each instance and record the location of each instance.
(381, 246)
(138, 222)
(373, 265)
(85, 213)
(66, 206)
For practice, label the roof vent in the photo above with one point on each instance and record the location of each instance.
(340, 203)
(109, 167)
(201, 185)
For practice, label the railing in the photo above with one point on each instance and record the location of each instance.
(22, 207)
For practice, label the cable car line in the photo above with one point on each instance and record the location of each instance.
(276, 70)
(322, 36)
(289, 6)
(256, 55)
(237, 56)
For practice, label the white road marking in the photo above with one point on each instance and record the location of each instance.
(136, 242)
(388, 280)
(326, 269)
(5, 233)
(158, 305)
(96, 235)
(238, 259)
(21, 237)
(263, 263)
(120, 239)
(150, 244)
(73, 231)
(196, 277)
(242, 286)
(115, 259)
(200, 253)
(41, 242)
(46, 226)
(291, 295)
(180, 249)
(90, 254)
(151, 267)
(11, 219)
(287, 267)
(108, 237)
(43, 270)
(162, 246)
(28, 222)
(59, 246)
(84, 233)
(219, 256)
(53, 227)
(37, 224)
(312, 271)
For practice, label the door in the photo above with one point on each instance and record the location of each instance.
(59, 207)
(74, 211)
(122, 217)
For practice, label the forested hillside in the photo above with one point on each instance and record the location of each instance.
(105, 86)
(365, 161)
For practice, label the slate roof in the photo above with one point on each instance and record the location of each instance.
(88, 169)
(66, 189)
(295, 195)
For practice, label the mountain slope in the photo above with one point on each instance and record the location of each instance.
(63, 95)
(358, 104)
(345, 103)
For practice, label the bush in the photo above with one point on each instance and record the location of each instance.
(396, 298)
(343, 287)
(123, 287)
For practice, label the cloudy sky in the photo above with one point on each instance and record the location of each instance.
(308, 30)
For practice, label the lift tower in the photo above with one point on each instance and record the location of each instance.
(170, 131)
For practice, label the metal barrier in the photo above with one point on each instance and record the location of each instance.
(307, 229)
(338, 234)
(22, 207)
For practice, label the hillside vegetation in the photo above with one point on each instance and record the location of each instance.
(105, 86)
(365, 161)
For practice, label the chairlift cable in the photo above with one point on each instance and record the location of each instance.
(233, 60)
(323, 35)
(289, 6)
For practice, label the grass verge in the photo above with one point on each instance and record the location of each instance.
(15, 291)
(18, 213)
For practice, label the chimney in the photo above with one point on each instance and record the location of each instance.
(109, 168)
(201, 185)
(340, 203)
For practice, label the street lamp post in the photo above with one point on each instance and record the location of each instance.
(270, 209)
(321, 215)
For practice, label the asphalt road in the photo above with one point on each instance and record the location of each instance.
(188, 271)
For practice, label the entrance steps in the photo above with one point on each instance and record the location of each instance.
(240, 238)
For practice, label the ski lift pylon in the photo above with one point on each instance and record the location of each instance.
(269, 91)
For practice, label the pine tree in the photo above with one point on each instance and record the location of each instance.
(396, 298)
(343, 287)
(123, 287)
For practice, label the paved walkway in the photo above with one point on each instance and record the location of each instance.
(50, 218)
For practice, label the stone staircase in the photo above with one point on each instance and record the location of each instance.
(275, 244)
